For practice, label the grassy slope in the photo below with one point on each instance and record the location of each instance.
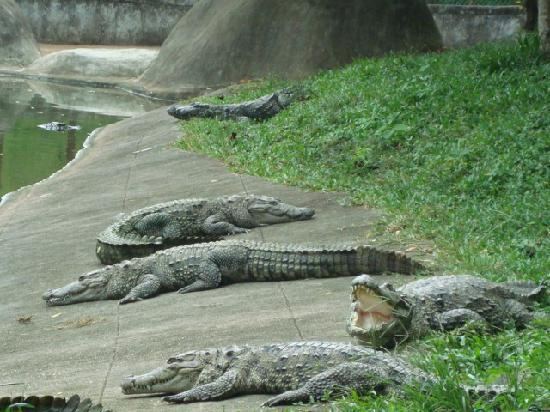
(455, 146)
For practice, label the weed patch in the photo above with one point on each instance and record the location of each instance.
(454, 144)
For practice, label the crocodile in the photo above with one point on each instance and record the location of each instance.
(262, 108)
(204, 266)
(187, 221)
(293, 371)
(58, 127)
(384, 316)
(49, 404)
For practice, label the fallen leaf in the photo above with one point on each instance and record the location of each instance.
(78, 323)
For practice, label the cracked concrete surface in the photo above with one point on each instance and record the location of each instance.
(47, 238)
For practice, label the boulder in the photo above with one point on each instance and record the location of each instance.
(219, 42)
(17, 43)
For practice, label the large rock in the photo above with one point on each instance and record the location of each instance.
(224, 41)
(17, 44)
(95, 62)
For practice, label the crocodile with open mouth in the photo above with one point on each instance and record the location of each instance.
(187, 221)
(384, 316)
(204, 266)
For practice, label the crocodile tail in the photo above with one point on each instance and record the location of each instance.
(373, 260)
(486, 391)
(273, 262)
(113, 248)
(48, 404)
(109, 254)
(526, 290)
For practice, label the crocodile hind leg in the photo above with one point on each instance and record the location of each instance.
(209, 277)
(148, 286)
(221, 388)
(218, 225)
(516, 312)
(456, 318)
(335, 382)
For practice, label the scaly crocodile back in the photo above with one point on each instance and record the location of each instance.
(120, 241)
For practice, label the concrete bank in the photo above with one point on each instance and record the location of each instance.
(47, 238)
(107, 67)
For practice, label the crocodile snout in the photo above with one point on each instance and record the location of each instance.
(127, 384)
(48, 294)
(301, 213)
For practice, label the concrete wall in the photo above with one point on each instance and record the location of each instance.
(131, 22)
(148, 22)
(462, 26)
(17, 44)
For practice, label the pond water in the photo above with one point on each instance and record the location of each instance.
(28, 153)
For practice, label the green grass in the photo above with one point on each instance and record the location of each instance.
(18, 407)
(455, 147)
(519, 360)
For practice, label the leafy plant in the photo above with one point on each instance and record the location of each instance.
(19, 407)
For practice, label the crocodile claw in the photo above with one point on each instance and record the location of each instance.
(127, 299)
(174, 399)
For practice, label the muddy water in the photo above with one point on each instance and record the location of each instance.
(28, 153)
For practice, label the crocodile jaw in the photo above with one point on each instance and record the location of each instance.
(377, 313)
(91, 286)
(173, 378)
(370, 311)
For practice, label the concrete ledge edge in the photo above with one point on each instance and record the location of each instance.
(475, 10)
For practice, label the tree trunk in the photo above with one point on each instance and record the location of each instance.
(531, 14)
(544, 26)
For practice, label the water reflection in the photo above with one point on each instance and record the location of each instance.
(111, 102)
(29, 154)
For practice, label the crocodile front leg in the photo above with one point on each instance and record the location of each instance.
(222, 387)
(148, 286)
(218, 225)
(336, 382)
(209, 277)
